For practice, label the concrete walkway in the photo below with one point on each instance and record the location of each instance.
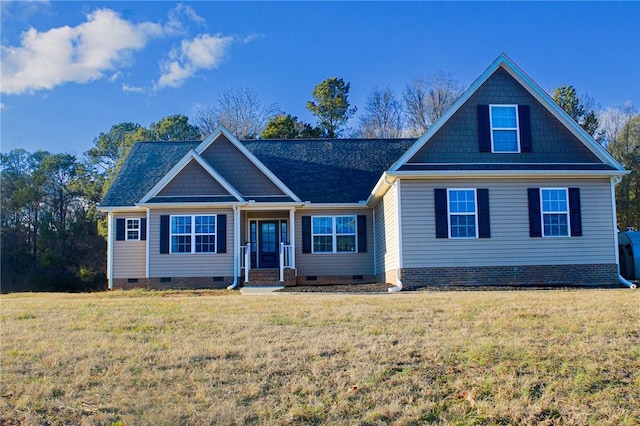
(250, 291)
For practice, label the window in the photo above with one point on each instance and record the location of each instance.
(133, 229)
(505, 136)
(334, 234)
(193, 234)
(462, 213)
(555, 212)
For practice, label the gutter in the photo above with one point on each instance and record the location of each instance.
(614, 181)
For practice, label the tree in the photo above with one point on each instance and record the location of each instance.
(331, 106)
(625, 147)
(174, 128)
(580, 110)
(239, 110)
(288, 127)
(383, 115)
(427, 98)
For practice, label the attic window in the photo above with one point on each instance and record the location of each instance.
(505, 136)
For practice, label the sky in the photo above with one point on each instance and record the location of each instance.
(71, 70)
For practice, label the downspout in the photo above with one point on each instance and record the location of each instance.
(622, 280)
(236, 246)
(398, 286)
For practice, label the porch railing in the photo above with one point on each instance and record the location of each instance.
(245, 260)
(285, 259)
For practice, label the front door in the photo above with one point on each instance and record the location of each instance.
(268, 250)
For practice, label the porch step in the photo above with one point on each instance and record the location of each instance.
(264, 278)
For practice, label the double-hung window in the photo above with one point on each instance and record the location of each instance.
(555, 212)
(334, 234)
(133, 230)
(463, 213)
(193, 234)
(505, 136)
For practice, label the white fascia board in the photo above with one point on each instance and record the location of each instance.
(506, 173)
(335, 206)
(381, 187)
(187, 206)
(123, 209)
(175, 170)
(270, 206)
(221, 130)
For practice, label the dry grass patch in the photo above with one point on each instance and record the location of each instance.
(526, 357)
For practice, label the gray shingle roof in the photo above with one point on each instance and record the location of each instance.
(146, 164)
(317, 170)
(329, 170)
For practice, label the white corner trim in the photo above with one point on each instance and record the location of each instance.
(148, 239)
(180, 165)
(221, 130)
(110, 237)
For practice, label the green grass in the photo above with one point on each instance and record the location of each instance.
(196, 358)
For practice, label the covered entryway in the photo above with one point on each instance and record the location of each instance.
(267, 253)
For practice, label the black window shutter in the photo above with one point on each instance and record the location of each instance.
(484, 128)
(484, 222)
(221, 233)
(535, 218)
(362, 234)
(306, 234)
(442, 226)
(120, 225)
(574, 212)
(524, 121)
(164, 234)
(143, 228)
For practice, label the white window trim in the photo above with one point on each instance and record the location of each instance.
(193, 234)
(566, 212)
(517, 128)
(334, 234)
(475, 214)
(126, 228)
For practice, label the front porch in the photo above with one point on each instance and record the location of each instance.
(267, 247)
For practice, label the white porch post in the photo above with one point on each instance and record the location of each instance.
(236, 242)
(292, 237)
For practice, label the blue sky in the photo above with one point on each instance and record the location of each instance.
(71, 70)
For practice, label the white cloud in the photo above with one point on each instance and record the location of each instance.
(131, 89)
(251, 37)
(202, 52)
(77, 54)
(177, 14)
(2, 106)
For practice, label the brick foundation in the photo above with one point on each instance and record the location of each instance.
(172, 283)
(523, 275)
(334, 279)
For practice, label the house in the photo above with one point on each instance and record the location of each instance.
(505, 189)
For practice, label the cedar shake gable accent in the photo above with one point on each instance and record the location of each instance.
(547, 134)
(193, 180)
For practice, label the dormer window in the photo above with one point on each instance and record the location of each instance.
(505, 136)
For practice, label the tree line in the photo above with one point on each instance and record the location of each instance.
(53, 237)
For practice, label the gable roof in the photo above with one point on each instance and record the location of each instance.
(316, 170)
(222, 131)
(188, 158)
(503, 62)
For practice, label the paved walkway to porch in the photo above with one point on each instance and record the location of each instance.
(257, 290)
